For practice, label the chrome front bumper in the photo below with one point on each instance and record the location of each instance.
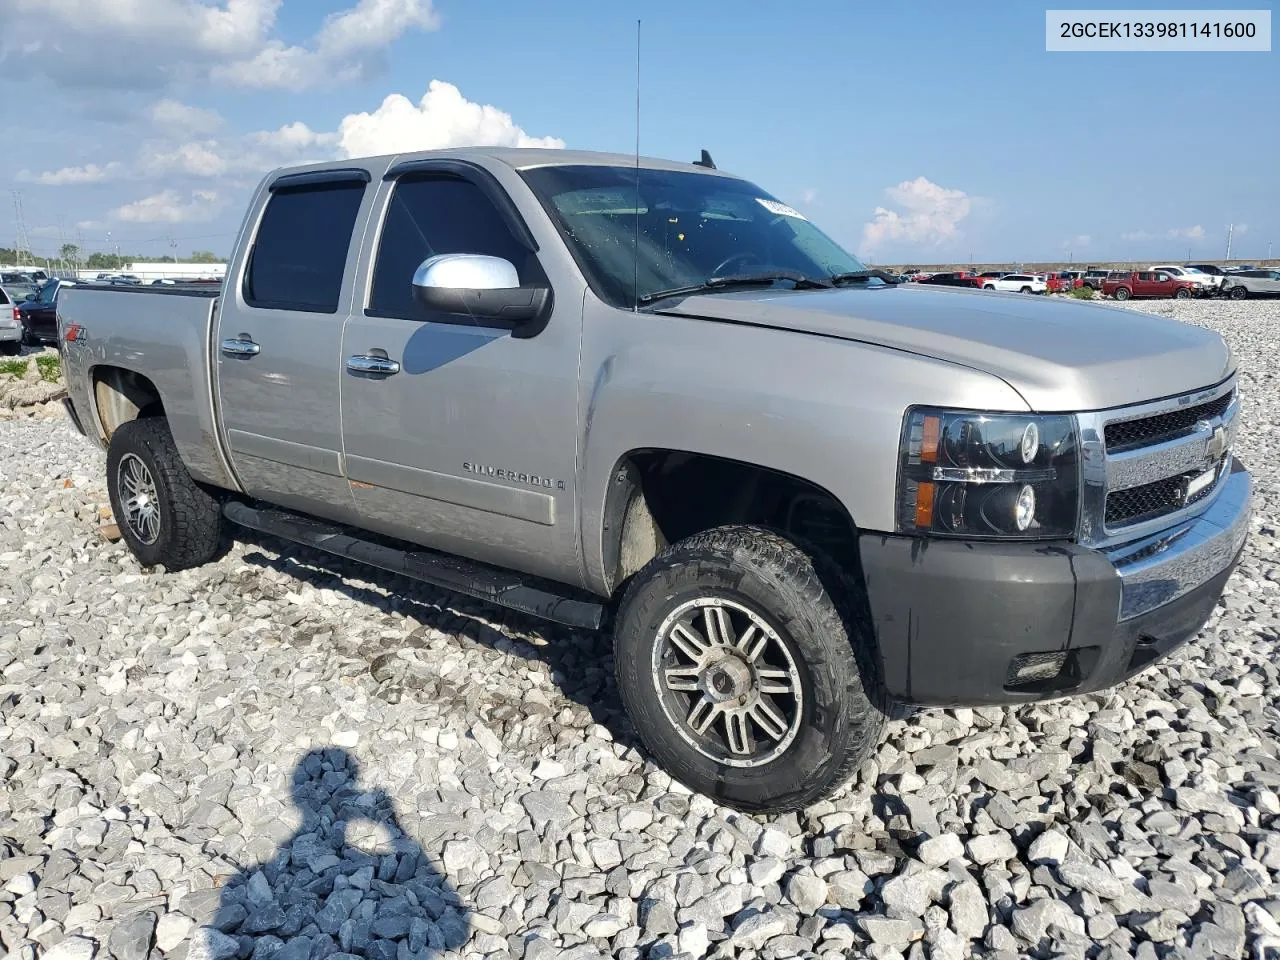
(1164, 566)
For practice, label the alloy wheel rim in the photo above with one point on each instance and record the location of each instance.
(138, 497)
(727, 682)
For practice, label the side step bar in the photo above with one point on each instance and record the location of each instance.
(468, 577)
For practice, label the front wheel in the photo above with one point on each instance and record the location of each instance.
(29, 339)
(164, 516)
(988, 286)
(746, 671)
(1122, 293)
(1182, 293)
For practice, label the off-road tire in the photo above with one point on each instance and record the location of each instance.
(1239, 293)
(1182, 293)
(1122, 293)
(191, 524)
(816, 611)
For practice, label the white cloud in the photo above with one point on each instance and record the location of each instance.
(345, 48)
(442, 118)
(65, 176)
(808, 195)
(1187, 233)
(1078, 242)
(168, 206)
(150, 44)
(1137, 236)
(928, 214)
(180, 117)
(195, 159)
(1241, 228)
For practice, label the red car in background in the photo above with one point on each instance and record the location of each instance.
(1147, 283)
(1058, 282)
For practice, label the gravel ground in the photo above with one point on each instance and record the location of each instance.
(263, 758)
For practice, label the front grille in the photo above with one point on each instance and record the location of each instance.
(1149, 501)
(1128, 434)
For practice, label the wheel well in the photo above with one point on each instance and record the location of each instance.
(657, 497)
(122, 395)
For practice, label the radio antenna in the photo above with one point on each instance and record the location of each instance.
(635, 277)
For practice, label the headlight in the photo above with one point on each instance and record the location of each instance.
(967, 474)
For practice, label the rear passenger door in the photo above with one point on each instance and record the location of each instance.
(279, 339)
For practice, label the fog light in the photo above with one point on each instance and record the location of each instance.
(1024, 510)
(1030, 445)
(1031, 667)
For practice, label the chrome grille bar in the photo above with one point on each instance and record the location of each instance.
(1198, 446)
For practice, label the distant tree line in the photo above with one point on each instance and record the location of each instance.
(71, 257)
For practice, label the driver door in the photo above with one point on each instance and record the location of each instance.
(469, 445)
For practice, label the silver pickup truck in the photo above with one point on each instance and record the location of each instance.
(651, 397)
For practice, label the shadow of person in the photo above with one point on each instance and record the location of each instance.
(349, 881)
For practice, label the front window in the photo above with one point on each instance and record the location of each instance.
(47, 293)
(692, 227)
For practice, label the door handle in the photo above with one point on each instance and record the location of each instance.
(241, 346)
(376, 365)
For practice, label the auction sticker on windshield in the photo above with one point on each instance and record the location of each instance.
(781, 209)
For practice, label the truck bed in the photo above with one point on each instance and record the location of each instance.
(162, 334)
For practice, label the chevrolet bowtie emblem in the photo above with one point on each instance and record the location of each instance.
(1217, 444)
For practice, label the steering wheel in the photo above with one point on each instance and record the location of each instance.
(747, 256)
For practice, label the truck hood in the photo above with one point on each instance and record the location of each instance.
(1059, 354)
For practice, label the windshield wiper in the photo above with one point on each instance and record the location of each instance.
(855, 276)
(713, 284)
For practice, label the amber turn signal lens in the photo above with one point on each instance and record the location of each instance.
(932, 431)
(924, 506)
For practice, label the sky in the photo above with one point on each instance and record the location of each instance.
(929, 132)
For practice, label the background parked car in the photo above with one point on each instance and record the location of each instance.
(1251, 283)
(39, 317)
(1204, 282)
(1148, 283)
(1095, 278)
(1017, 283)
(10, 326)
(954, 279)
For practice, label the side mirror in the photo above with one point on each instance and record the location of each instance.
(479, 286)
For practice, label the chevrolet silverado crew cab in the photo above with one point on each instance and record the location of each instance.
(653, 398)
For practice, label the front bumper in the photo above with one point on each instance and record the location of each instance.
(968, 623)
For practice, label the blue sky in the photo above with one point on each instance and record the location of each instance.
(918, 131)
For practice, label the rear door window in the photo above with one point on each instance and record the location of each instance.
(300, 252)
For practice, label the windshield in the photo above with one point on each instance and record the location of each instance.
(692, 226)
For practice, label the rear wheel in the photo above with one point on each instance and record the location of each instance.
(1182, 293)
(164, 516)
(1025, 290)
(10, 348)
(744, 676)
(1239, 293)
(1122, 293)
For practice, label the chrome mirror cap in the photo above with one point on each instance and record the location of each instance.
(466, 271)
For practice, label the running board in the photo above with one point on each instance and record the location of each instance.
(468, 577)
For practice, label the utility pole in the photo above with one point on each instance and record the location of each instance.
(20, 220)
(1230, 229)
